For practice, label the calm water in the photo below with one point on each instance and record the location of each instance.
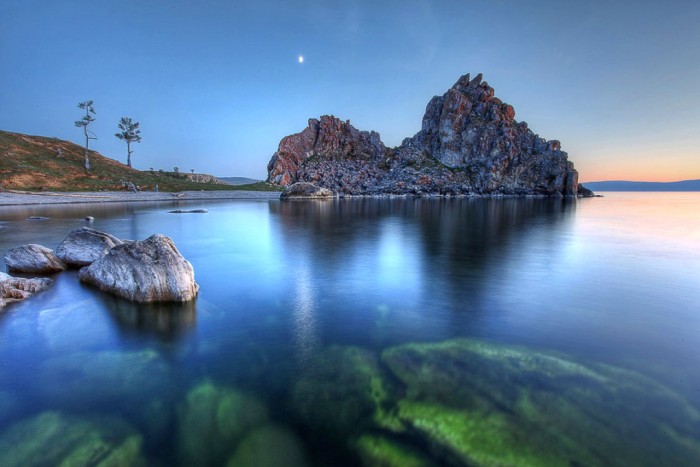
(383, 332)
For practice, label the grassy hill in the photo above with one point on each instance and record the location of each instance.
(31, 163)
(238, 180)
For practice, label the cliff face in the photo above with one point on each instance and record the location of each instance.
(470, 143)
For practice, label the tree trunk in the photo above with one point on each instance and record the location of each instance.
(87, 141)
(128, 153)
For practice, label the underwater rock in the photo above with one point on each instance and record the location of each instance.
(53, 438)
(212, 421)
(152, 270)
(84, 246)
(15, 289)
(342, 392)
(486, 404)
(380, 451)
(33, 259)
(269, 446)
(87, 379)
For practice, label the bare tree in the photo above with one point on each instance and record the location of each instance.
(83, 123)
(130, 133)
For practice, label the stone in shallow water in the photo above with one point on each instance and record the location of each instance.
(213, 420)
(84, 246)
(53, 438)
(486, 404)
(152, 270)
(15, 289)
(342, 392)
(33, 259)
(269, 446)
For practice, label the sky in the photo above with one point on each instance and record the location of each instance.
(216, 85)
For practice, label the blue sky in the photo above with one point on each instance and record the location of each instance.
(217, 84)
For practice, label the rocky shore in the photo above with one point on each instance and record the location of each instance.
(8, 198)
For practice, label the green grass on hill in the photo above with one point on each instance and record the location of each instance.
(31, 163)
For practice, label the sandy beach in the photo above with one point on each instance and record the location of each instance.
(14, 198)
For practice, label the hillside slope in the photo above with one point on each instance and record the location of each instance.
(32, 163)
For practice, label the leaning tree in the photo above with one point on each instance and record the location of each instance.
(83, 123)
(130, 133)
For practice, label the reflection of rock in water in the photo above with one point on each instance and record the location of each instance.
(52, 438)
(167, 320)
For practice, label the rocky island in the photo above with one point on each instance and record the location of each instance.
(469, 144)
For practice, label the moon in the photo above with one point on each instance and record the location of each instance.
(301, 59)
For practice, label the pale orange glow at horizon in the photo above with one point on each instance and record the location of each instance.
(639, 168)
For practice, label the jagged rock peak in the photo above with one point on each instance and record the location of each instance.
(327, 137)
(469, 143)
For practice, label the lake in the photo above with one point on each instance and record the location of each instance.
(368, 331)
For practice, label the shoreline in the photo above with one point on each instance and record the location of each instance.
(39, 198)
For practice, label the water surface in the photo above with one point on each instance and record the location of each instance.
(452, 332)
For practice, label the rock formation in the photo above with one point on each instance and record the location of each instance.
(306, 190)
(84, 246)
(15, 289)
(469, 144)
(34, 259)
(152, 270)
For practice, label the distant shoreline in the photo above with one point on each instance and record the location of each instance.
(40, 198)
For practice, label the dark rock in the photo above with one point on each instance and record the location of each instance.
(188, 211)
(584, 192)
(15, 289)
(34, 259)
(152, 270)
(343, 392)
(469, 143)
(84, 246)
(306, 190)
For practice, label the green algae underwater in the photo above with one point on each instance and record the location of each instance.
(456, 402)
(362, 333)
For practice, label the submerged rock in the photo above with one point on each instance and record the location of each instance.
(93, 379)
(306, 190)
(380, 451)
(33, 259)
(269, 446)
(485, 404)
(15, 289)
(343, 392)
(212, 421)
(84, 246)
(52, 438)
(152, 270)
